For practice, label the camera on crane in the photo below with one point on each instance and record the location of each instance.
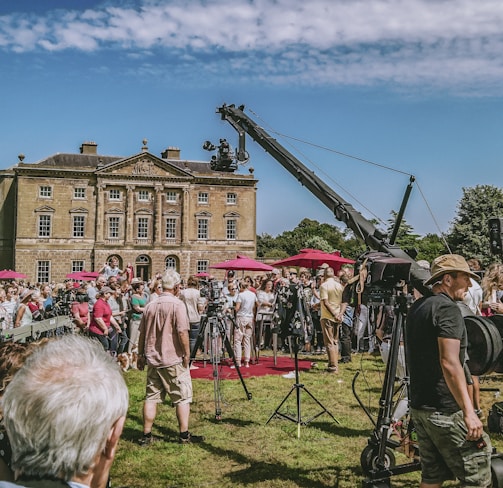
(224, 160)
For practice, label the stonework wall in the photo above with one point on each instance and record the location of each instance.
(145, 186)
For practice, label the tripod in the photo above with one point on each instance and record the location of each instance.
(213, 324)
(297, 388)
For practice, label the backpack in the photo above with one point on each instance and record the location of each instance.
(495, 418)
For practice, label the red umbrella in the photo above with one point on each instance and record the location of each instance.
(313, 259)
(242, 263)
(203, 274)
(82, 275)
(8, 274)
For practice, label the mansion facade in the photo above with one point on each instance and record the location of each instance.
(73, 212)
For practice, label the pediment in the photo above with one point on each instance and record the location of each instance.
(203, 213)
(114, 210)
(45, 208)
(79, 210)
(143, 165)
(144, 211)
(231, 215)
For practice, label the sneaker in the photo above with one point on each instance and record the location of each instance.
(290, 375)
(332, 369)
(148, 440)
(191, 439)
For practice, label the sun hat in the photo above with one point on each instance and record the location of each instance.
(449, 263)
(25, 295)
(105, 289)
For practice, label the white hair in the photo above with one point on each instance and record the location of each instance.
(60, 407)
(170, 279)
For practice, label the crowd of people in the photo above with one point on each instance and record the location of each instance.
(160, 320)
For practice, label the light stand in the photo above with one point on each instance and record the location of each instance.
(298, 388)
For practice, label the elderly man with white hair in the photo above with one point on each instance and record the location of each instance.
(164, 348)
(63, 425)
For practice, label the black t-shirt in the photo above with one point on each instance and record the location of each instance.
(428, 319)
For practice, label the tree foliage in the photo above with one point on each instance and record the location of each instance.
(469, 233)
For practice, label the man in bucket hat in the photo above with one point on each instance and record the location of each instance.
(451, 438)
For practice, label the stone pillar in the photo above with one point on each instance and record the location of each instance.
(159, 193)
(185, 217)
(100, 212)
(129, 217)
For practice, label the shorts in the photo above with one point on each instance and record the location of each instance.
(174, 381)
(445, 452)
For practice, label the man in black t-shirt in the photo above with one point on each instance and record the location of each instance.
(451, 437)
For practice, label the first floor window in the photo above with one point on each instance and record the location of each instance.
(231, 229)
(44, 226)
(202, 266)
(77, 266)
(202, 228)
(43, 271)
(142, 227)
(203, 197)
(232, 199)
(113, 227)
(143, 195)
(170, 228)
(78, 226)
(171, 196)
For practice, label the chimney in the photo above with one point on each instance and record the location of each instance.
(89, 147)
(171, 153)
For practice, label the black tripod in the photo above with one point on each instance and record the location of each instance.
(298, 387)
(213, 324)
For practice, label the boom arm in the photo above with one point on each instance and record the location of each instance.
(343, 211)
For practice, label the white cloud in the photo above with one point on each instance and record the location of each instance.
(443, 43)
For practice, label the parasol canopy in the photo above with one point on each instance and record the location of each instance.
(203, 274)
(242, 263)
(82, 275)
(312, 259)
(9, 274)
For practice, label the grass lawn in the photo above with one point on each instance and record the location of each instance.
(241, 450)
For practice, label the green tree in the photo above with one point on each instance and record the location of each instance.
(469, 233)
(431, 246)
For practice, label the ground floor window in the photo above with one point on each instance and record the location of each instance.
(43, 271)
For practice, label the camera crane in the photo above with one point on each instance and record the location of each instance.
(342, 210)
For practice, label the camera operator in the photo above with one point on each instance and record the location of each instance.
(451, 437)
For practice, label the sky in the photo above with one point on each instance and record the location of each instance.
(366, 93)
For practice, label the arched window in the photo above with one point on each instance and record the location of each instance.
(171, 262)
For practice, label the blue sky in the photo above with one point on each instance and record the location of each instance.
(415, 86)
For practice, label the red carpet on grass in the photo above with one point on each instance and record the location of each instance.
(265, 366)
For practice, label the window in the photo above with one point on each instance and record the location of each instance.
(113, 227)
(203, 197)
(77, 266)
(79, 193)
(202, 228)
(202, 266)
(232, 198)
(143, 196)
(171, 196)
(78, 225)
(142, 227)
(45, 192)
(170, 262)
(114, 195)
(231, 229)
(44, 226)
(170, 228)
(43, 271)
